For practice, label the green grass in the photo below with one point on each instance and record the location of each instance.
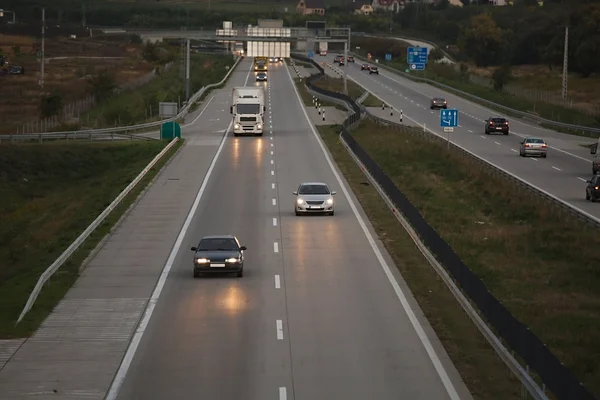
(49, 194)
(540, 263)
(484, 373)
(307, 98)
(133, 107)
(371, 101)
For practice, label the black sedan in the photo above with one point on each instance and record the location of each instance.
(219, 254)
(592, 191)
(496, 124)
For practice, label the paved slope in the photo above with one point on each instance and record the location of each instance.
(78, 349)
(562, 174)
(314, 317)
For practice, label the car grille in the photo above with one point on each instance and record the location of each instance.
(313, 202)
(248, 119)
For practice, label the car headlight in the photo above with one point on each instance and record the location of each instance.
(299, 201)
(236, 126)
(329, 201)
(232, 260)
(258, 126)
(202, 260)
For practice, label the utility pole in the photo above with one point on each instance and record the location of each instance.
(345, 68)
(43, 46)
(565, 76)
(187, 72)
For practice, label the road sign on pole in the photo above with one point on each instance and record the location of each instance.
(388, 57)
(417, 55)
(417, 67)
(167, 109)
(448, 118)
(311, 54)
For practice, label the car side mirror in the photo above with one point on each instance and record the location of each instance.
(594, 150)
(243, 248)
(588, 181)
(194, 248)
(333, 193)
(230, 109)
(522, 141)
(295, 193)
(264, 108)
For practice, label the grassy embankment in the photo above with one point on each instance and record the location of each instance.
(584, 90)
(48, 195)
(132, 107)
(540, 263)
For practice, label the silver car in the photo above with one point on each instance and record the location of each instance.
(314, 197)
(533, 146)
(261, 76)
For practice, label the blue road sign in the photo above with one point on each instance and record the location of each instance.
(417, 67)
(449, 118)
(311, 54)
(417, 55)
(388, 57)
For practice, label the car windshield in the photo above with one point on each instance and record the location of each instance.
(498, 120)
(313, 189)
(248, 108)
(216, 244)
(438, 99)
(534, 141)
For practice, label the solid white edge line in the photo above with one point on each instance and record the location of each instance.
(201, 112)
(141, 329)
(282, 393)
(450, 389)
(279, 324)
(276, 247)
(277, 282)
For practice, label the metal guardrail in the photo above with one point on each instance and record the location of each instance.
(156, 124)
(88, 231)
(589, 131)
(521, 373)
(40, 137)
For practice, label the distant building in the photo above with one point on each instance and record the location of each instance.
(362, 7)
(311, 7)
(386, 5)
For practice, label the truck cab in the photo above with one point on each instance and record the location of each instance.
(248, 108)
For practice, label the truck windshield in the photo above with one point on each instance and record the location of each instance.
(248, 108)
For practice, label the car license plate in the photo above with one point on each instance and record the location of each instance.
(218, 265)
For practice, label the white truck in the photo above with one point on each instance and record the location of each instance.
(248, 109)
(322, 48)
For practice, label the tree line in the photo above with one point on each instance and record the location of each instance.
(525, 33)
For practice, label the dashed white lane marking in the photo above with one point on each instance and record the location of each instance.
(282, 393)
(274, 202)
(274, 221)
(470, 130)
(272, 186)
(276, 247)
(581, 179)
(271, 138)
(271, 153)
(272, 173)
(514, 150)
(534, 159)
(279, 325)
(497, 143)
(277, 282)
(271, 144)
(271, 161)
(558, 169)
(483, 137)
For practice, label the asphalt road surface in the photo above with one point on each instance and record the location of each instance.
(318, 314)
(563, 173)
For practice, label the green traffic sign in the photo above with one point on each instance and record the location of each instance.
(170, 130)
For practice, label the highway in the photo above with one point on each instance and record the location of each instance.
(321, 312)
(563, 173)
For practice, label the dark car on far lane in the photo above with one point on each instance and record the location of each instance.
(438, 102)
(364, 66)
(219, 254)
(496, 124)
(592, 191)
(350, 59)
(373, 70)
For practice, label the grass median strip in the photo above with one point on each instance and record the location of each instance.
(307, 98)
(484, 373)
(540, 263)
(49, 194)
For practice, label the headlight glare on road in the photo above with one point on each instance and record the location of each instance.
(232, 260)
(201, 261)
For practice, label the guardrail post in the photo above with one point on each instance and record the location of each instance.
(323, 115)
(382, 106)
(391, 111)
(319, 110)
(400, 115)
(41, 138)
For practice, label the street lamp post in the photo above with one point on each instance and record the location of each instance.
(8, 11)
